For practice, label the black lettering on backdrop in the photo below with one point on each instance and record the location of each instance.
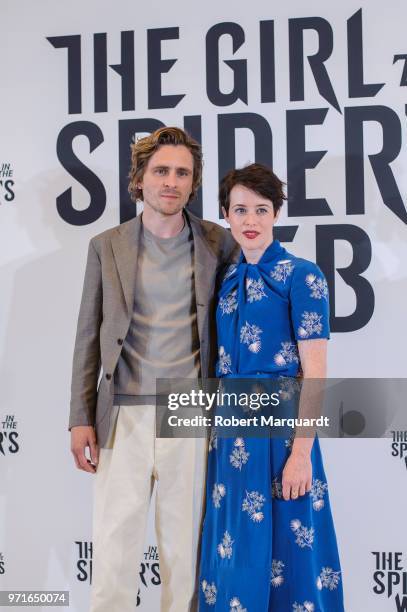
(316, 61)
(299, 160)
(8, 441)
(355, 185)
(263, 140)
(84, 563)
(326, 235)
(403, 57)
(357, 88)
(239, 66)
(285, 233)
(401, 603)
(8, 188)
(156, 579)
(82, 566)
(193, 125)
(73, 44)
(158, 66)
(100, 72)
(125, 70)
(81, 173)
(267, 62)
(380, 587)
(14, 446)
(9, 195)
(399, 449)
(390, 576)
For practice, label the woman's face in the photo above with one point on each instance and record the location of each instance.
(251, 218)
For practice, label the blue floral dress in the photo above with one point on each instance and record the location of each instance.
(259, 552)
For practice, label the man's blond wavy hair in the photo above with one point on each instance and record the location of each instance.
(143, 149)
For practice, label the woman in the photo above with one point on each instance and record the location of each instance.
(268, 541)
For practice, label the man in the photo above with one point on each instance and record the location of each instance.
(146, 313)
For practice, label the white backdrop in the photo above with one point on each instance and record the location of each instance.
(45, 503)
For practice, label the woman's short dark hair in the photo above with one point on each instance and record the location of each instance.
(258, 178)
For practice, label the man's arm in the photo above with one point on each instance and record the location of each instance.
(86, 365)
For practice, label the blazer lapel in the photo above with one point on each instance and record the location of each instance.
(205, 263)
(125, 244)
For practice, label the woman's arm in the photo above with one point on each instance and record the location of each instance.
(297, 473)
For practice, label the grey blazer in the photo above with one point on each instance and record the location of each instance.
(107, 306)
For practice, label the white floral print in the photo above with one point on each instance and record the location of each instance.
(228, 303)
(304, 535)
(310, 324)
(252, 504)
(210, 591)
(288, 387)
(277, 577)
(225, 549)
(282, 270)
(307, 606)
(236, 606)
(255, 290)
(250, 335)
(317, 493)
(239, 455)
(287, 354)
(328, 579)
(218, 491)
(224, 362)
(318, 286)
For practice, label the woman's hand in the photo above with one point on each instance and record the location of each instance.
(297, 475)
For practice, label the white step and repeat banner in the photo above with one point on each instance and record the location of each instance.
(317, 90)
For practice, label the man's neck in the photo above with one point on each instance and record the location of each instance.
(163, 226)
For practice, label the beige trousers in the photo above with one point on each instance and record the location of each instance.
(124, 481)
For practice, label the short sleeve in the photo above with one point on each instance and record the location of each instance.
(309, 302)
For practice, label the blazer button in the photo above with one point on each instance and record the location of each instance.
(119, 341)
(108, 376)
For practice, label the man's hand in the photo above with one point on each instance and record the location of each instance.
(83, 436)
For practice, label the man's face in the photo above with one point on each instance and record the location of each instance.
(167, 179)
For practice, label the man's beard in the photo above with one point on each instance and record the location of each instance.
(167, 212)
